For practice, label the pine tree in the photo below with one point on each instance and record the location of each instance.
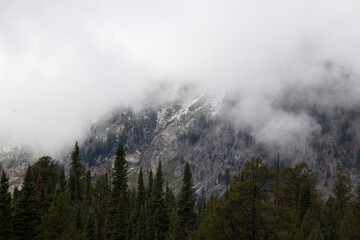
(59, 223)
(150, 184)
(76, 174)
(252, 196)
(62, 180)
(140, 208)
(15, 194)
(132, 209)
(307, 226)
(148, 213)
(5, 211)
(350, 226)
(342, 190)
(118, 211)
(316, 234)
(26, 216)
(90, 226)
(170, 204)
(159, 217)
(100, 203)
(186, 206)
(304, 201)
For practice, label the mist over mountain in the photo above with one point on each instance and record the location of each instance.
(62, 65)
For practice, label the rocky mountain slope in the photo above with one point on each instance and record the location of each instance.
(197, 131)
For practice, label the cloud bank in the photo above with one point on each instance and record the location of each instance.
(64, 63)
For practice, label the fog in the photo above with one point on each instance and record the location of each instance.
(63, 64)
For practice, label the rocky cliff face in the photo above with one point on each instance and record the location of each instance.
(14, 159)
(195, 130)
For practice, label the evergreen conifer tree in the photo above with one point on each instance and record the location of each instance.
(140, 208)
(149, 207)
(186, 206)
(62, 179)
(316, 234)
(26, 216)
(170, 205)
(304, 201)
(349, 226)
(60, 222)
(342, 190)
(100, 202)
(117, 224)
(5, 211)
(90, 226)
(159, 217)
(76, 173)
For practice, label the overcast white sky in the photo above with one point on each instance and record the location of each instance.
(64, 62)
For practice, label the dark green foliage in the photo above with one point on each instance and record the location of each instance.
(341, 190)
(140, 213)
(261, 202)
(15, 194)
(27, 212)
(307, 226)
(101, 196)
(5, 211)
(79, 216)
(45, 176)
(77, 173)
(59, 223)
(160, 221)
(117, 224)
(350, 226)
(61, 184)
(150, 184)
(316, 234)
(304, 201)
(186, 205)
(170, 205)
(90, 226)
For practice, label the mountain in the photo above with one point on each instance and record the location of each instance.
(197, 130)
(15, 158)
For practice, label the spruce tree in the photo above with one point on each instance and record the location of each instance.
(342, 190)
(5, 211)
(140, 208)
(150, 184)
(60, 222)
(160, 219)
(186, 206)
(90, 226)
(170, 204)
(350, 226)
(304, 201)
(148, 213)
(117, 224)
(100, 202)
(76, 173)
(316, 234)
(16, 194)
(26, 216)
(62, 180)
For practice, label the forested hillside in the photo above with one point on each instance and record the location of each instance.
(261, 202)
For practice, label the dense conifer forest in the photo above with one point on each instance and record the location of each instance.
(262, 202)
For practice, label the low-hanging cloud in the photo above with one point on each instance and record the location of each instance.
(63, 63)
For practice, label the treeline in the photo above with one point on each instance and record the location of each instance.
(50, 206)
(262, 202)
